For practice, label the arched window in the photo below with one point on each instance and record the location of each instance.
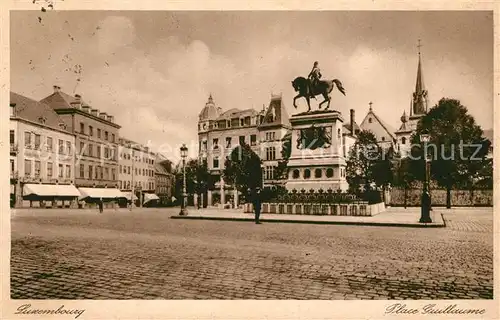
(383, 138)
(318, 173)
(296, 174)
(329, 172)
(369, 120)
(338, 133)
(403, 140)
(307, 174)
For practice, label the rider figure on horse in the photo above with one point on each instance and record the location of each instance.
(314, 77)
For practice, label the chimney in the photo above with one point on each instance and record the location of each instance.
(103, 115)
(76, 104)
(94, 112)
(56, 89)
(352, 121)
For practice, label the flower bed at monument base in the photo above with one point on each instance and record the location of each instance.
(361, 208)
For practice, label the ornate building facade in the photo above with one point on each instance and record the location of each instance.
(96, 158)
(219, 132)
(42, 156)
(136, 171)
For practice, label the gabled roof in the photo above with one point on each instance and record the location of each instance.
(35, 111)
(159, 169)
(275, 114)
(389, 129)
(61, 100)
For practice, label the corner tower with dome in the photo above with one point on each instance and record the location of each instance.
(219, 132)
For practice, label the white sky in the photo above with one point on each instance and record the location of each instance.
(154, 70)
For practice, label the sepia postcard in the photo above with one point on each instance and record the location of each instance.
(249, 160)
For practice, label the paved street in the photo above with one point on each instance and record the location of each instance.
(146, 255)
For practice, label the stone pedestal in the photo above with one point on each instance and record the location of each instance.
(316, 159)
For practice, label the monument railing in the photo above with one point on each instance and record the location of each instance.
(319, 203)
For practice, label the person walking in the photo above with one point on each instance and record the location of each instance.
(101, 204)
(256, 199)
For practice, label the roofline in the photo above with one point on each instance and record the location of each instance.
(381, 123)
(227, 129)
(274, 125)
(73, 110)
(17, 118)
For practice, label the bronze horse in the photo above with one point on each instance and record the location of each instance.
(324, 87)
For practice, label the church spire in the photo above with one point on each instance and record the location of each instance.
(419, 103)
(419, 87)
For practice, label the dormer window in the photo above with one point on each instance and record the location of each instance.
(42, 119)
(62, 126)
(12, 109)
(369, 120)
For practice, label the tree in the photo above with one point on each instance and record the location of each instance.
(382, 174)
(198, 179)
(403, 176)
(242, 168)
(457, 148)
(366, 165)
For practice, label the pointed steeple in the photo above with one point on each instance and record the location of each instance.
(419, 87)
(419, 101)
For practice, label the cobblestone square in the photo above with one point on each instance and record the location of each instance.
(146, 255)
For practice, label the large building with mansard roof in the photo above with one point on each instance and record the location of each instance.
(219, 132)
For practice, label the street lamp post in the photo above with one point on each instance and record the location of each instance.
(132, 187)
(184, 211)
(426, 197)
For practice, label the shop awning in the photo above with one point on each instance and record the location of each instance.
(150, 197)
(128, 195)
(105, 193)
(50, 190)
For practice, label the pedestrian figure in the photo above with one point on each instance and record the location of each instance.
(100, 205)
(256, 204)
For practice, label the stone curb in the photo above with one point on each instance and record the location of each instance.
(360, 223)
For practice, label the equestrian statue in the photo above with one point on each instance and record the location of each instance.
(313, 86)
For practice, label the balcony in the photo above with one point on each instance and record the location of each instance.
(13, 149)
(31, 179)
